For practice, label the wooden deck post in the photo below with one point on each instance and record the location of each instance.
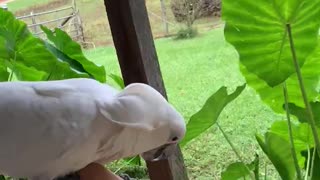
(138, 60)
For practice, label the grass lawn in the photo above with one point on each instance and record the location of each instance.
(192, 70)
(22, 4)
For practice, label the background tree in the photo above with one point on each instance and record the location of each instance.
(187, 11)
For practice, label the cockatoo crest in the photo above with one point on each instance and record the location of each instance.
(142, 110)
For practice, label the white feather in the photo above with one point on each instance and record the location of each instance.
(49, 129)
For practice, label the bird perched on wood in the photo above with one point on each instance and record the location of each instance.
(50, 129)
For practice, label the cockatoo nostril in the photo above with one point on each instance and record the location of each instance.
(175, 139)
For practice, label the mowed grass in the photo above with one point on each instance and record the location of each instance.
(192, 70)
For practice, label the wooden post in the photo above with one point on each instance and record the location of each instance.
(164, 17)
(138, 60)
(33, 19)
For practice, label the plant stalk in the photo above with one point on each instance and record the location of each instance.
(312, 161)
(13, 67)
(235, 150)
(306, 177)
(303, 91)
(265, 170)
(292, 147)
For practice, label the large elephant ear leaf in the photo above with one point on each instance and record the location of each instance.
(26, 55)
(273, 96)
(208, 115)
(257, 29)
(278, 151)
(70, 51)
(301, 113)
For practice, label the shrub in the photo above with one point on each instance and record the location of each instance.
(186, 33)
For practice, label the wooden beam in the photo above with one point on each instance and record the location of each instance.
(138, 61)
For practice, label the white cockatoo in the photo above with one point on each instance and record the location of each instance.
(50, 129)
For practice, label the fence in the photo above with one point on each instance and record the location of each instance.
(92, 29)
(66, 18)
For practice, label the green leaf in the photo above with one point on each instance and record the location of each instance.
(135, 161)
(273, 96)
(4, 74)
(302, 115)
(278, 151)
(118, 80)
(70, 48)
(235, 171)
(62, 71)
(257, 29)
(238, 170)
(25, 73)
(19, 46)
(75, 65)
(316, 172)
(209, 113)
(301, 133)
(2, 177)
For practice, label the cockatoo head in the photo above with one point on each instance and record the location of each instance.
(151, 126)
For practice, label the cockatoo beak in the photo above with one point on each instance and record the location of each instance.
(160, 153)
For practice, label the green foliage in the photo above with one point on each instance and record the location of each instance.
(19, 46)
(239, 170)
(235, 171)
(74, 56)
(118, 80)
(257, 29)
(301, 113)
(138, 172)
(31, 59)
(261, 33)
(316, 161)
(209, 113)
(273, 96)
(186, 33)
(277, 150)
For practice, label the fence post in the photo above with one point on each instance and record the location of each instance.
(33, 19)
(164, 17)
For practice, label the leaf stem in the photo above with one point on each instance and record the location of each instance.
(265, 170)
(306, 177)
(235, 150)
(312, 161)
(292, 147)
(13, 67)
(303, 91)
